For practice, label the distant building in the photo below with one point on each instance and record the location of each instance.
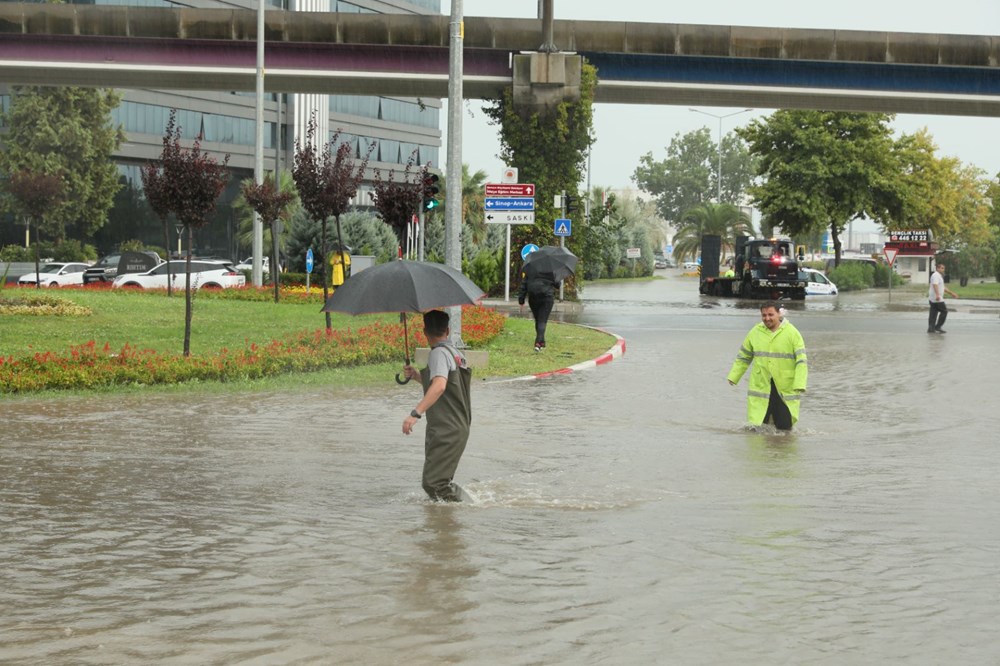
(399, 127)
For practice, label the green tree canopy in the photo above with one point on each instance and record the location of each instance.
(689, 175)
(66, 131)
(942, 194)
(549, 149)
(825, 168)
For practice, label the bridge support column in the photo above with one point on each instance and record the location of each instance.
(544, 80)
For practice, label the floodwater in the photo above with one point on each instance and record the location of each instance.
(624, 514)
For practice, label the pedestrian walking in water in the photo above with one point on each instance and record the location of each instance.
(935, 295)
(539, 287)
(775, 353)
(446, 403)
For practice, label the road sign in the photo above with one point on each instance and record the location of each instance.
(564, 227)
(890, 254)
(510, 203)
(309, 260)
(510, 190)
(510, 217)
(528, 249)
(633, 252)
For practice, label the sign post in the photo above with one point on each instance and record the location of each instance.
(890, 256)
(509, 202)
(309, 267)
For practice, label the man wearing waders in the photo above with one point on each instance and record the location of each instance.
(779, 373)
(447, 380)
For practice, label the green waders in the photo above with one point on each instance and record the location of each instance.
(448, 423)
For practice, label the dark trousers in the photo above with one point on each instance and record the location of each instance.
(777, 410)
(937, 315)
(541, 308)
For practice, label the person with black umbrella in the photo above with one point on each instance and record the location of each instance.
(543, 270)
(446, 403)
(540, 289)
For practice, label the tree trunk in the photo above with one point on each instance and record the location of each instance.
(38, 269)
(166, 248)
(326, 283)
(187, 293)
(835, 235)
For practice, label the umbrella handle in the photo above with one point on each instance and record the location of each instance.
(406, 348)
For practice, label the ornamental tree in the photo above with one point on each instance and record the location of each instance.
(157, 192)
(192, 183)
(327, 181)
(36, 195)
(272, 204)
(397, 200)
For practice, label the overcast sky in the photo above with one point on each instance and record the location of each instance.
(626, 132)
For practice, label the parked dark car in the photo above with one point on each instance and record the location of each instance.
(106, 270)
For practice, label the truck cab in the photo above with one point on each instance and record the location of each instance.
(763, 268)
(768, 268)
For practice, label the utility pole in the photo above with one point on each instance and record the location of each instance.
(257, 273)
(712, 115)
(453, 188)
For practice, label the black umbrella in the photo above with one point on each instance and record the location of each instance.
(403, 286)
(558, 261)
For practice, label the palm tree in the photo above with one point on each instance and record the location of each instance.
(473, 204)
(724, 220)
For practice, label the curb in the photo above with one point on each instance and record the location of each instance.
(616, 351)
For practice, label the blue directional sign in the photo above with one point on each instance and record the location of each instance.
(564, 227)
(515, 203)
(528, 249)
(309, 260)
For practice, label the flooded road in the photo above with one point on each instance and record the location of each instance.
(625, 516)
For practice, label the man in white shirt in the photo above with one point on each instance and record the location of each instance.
(935, 295)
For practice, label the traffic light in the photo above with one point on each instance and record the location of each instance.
(431, 191)
(571, 201)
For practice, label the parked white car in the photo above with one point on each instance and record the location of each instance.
(204, 275)
(56, 274)
(247, 264)
(818, 284)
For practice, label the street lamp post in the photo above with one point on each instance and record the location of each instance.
(180, 229)
(720, 118)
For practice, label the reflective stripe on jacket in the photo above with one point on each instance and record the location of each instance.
(781, 356)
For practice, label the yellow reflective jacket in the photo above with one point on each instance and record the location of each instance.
(781, 356)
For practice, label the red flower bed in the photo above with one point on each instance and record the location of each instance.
(91, 366)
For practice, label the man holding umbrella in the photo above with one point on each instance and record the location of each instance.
(447, 381)
(543, 270)
(421, 286)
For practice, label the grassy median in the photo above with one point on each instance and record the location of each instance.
(115, 320)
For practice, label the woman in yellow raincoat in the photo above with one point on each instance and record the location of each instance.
(780, 369)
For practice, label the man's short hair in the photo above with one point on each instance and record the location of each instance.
(770, 304)
(436, 322)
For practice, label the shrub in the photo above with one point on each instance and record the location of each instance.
(853, 275)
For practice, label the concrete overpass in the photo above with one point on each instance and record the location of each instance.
(407, 55)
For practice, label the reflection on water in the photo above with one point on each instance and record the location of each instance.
(625, 515)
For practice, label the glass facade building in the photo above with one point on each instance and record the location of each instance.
(401, 129)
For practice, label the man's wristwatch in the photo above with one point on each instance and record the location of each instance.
(415, 414)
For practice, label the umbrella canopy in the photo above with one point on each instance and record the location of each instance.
(403, 286)
(552, 259)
